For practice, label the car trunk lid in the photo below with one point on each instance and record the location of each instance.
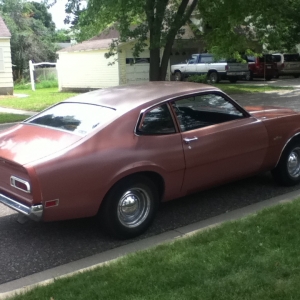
(25, 143)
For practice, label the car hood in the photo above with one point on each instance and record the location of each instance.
(26, 143)
(269, 112)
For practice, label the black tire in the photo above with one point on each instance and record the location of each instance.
(287, 171)
(213, 77)
(178, 76)
(129, 207)
(233, 79)
(249, 77)
(296, 76)
(268, 78)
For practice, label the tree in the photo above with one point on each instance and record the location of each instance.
(30, 39)
(160, 21)
(235, 25)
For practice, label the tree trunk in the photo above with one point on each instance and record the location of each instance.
(165, 60)
(154, 72)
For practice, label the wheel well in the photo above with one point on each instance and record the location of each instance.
(211, 71)
(153, 176)
(296, 137)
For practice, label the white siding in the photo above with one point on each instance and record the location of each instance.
(86, 69)
(6, 78)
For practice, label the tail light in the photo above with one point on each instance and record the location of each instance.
(226, 67)
(20, 184)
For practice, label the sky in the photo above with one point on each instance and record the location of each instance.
(58, 14)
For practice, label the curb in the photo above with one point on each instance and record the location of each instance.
(46, 277)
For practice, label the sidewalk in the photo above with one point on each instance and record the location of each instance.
(46, 277)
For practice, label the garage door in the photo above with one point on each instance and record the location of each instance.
(137, 71)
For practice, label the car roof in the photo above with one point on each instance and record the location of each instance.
(128, 97)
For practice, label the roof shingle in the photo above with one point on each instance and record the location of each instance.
(4, 32)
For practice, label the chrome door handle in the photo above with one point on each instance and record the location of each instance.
(188, 140)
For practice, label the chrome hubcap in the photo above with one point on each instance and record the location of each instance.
(293, 164)
(177, 77)
(133, 207)
(213, 78)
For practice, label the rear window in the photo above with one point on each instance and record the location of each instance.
(291, 57)
(276, 58)
(265, 58)
(79, 118)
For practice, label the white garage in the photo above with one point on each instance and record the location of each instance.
(84, 67)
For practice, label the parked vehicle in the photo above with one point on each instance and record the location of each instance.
(118, 152)
(262, 67)
(205, 63)
(287, 64)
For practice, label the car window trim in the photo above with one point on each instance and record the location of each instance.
(168, 101)
(143, 114)
(235, 104)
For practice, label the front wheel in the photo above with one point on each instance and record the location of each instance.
(130, 207)
(287, 172)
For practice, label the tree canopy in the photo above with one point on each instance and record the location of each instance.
(261, 26)
(32, 31)
(151, 23)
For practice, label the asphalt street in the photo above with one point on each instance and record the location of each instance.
(32, 247)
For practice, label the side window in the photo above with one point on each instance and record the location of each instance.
(206, 59)
(193, 60)
(157, 121)
(204, 110)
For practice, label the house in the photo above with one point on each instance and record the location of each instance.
(83, 66)
(6, 76)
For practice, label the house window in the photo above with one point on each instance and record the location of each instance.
(1, 60)
(132, 61)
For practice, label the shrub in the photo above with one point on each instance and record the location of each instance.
(198, 78)
(23, 85)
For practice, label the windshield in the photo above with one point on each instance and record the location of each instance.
(79, 118)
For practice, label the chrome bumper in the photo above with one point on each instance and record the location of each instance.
(34, 212)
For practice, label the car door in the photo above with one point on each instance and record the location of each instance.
(204, 64)
(292, 64)
(192, 65)
(221, 141)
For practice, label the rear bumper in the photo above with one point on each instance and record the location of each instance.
(33, 212)
(237, 73)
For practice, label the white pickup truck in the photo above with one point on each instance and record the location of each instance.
(204, 63)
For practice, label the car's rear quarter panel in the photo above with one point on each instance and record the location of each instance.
(81, 177)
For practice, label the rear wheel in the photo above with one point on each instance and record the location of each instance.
(233, 79)
(178, 76)
(249, 76)
(213, 77)
(296, 76)
(130, 207)
(287, 172)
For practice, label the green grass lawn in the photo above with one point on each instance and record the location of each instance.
(254, 258)
(9, 118)
(36, 100)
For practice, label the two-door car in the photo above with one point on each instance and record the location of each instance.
(118, 152)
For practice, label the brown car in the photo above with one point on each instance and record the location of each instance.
(118, 152)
